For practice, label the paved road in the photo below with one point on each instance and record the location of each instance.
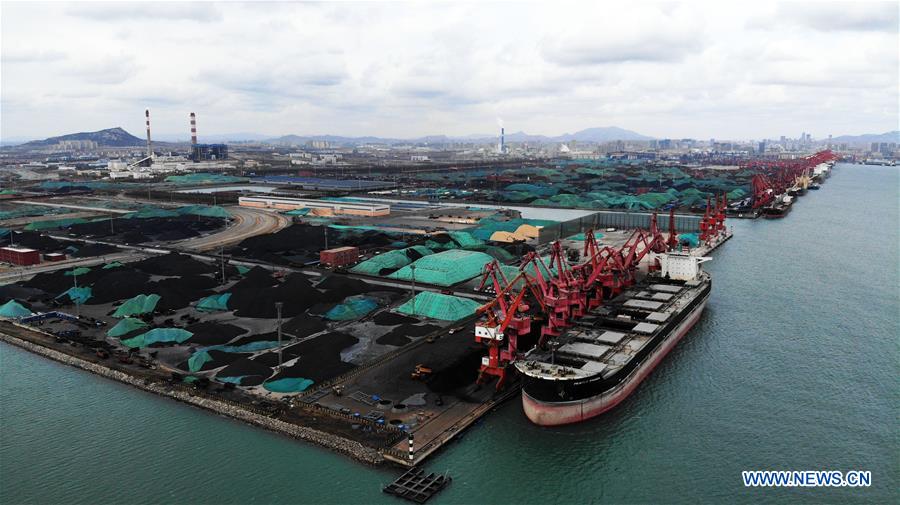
(19, 273)
(245, 223)
(76, 207)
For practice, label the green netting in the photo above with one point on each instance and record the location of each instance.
(149, 212)
(439, 306)
(444, 268)
(126, 326)
(77, 295)
(389, 261)
(13, 309)
(353, 307)
(54, 223)
(214, 302)
(288, 385)
(114, 264)
(203, 178)
(190, 379)
(77, 271)
(689, 239)
(204, 210)
(580, 236)
(158, 335)
(242, 269)
(233, 380)
(197, 360)
(4, 232)
(499, 253)
(297, 212)
(248, 347)
(140, 304)
(737, 194)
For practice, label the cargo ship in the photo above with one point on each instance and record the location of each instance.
(599, 361)
(779, 208)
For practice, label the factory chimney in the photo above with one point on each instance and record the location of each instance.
(193, 129)
(149, 144)
(501, 147)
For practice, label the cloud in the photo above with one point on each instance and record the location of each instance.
(838, 16)
(203, 12)
(30, 55)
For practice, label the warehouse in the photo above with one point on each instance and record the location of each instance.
(19, 256)
(320, 206)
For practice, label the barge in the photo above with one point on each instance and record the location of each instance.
(601, 359)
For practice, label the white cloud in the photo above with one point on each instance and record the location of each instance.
(409, 69)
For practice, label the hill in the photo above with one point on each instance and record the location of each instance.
(111, 137)
(868, 138)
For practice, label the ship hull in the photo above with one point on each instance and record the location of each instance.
(558, 413)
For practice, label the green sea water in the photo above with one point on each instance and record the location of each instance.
(794, 365)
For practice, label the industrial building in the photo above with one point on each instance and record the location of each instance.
(320, 207)
(19, 256)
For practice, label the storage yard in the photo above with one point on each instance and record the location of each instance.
(352, 315)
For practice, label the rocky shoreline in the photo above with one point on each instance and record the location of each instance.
(348, 447)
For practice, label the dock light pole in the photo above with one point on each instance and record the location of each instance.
(411, 452)
(413, 270)
(278, 306)
(75, 280)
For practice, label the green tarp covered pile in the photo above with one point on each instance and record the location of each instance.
(114, 264)
(203, 178)
(353, 307)
(389, 261)
(288, 385)
(140, 304)
(13, 309)
(197, 360)
(77, 271)
(214, 302)
(439, 306)
(54, 223)
(126, 326)
(444, 268)
(77, 295)
(157, 335)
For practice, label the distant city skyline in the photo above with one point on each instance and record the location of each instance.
(696, 70)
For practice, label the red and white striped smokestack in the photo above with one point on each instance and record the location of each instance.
(149, 144)
(193, 129)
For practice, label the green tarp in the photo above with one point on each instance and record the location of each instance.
(288, 385)
(13, 309)
(389, 261)
(439, 306)
(156, 335)
(126, 326)
(242, 269)
(689, 239)
(114, 264)
(444, 268)
(140, 304)
(214, 302)
(54, 223)
(77, 295)
(353, 307)
(197, 360)
(78, 271)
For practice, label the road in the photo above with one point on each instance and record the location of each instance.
(76, 207)
(19, 273)
(246, 223)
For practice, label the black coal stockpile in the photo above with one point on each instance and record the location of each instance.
(34, 240)
(136, 231)
(387, 318)
(212, 333)
(19, 293)
(261, 337)
(91, 250)
(320, 357)
(177, 293)
(175, 265)
(301, 243)
(118, 284)
(459, 373)
(303, 325)
(56, 282)
(338, 287)
(295, 292)
(253, 373)
(402, 334)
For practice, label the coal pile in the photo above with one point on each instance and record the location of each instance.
(460, 373)
(295, 292)
(303, 325)
(301, 243)
(17, 292)
(34, 240)
(339, 287)
(178, 293)
(387, 318)
(118, 284)
(56, 282)
(138, 231)
(175, 265)
(91, 250)
(212, 333)
(320, 357)
(219, 359)
(402, 334)
(253, 373)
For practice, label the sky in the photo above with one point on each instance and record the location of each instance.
(747, 70)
